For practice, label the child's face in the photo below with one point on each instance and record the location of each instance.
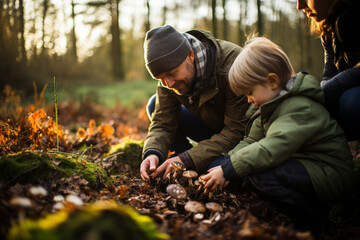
(261, 94)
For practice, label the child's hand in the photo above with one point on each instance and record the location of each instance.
(215, 178)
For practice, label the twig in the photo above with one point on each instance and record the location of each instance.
(56, 116)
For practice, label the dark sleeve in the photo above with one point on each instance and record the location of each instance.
(228, 168)
(156, 152)
(330, 69)
(335, 87)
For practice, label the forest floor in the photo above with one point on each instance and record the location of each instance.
(91, 131)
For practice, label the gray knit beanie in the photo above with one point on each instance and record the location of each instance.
(164, 49)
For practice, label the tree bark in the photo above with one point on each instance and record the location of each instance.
(214, 20)
(73, 33)
(164, 13)
(118, 67)
(147, 23)
(259, 22)
(22, 37)
(225, 24)
(45, 8)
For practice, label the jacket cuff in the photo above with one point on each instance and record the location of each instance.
(228, 168)
(155, 151)
(187, 160)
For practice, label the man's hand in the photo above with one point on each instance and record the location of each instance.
(215, 179)
(149, 165)
(166, 166)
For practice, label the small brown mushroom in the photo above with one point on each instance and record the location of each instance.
(57, 207)
(74, 200)
(38, 192)
(179, 167)
(195, 207)
(213, 207)
(176, 191)
(198, 217)
(21, 204)
(190, 174)
(58, 198)
(202, 183)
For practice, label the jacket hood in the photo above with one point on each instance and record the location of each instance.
(301, 84)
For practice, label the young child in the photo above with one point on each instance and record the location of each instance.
(293, 152)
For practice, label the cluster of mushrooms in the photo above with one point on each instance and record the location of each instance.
(36, 195)
(177, 192)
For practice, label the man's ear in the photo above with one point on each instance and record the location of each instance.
(274, 80)
(190, 56)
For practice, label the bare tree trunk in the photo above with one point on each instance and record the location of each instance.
(2, 28)
(300, 48)
(214, 20)
(259, 22)
(73, 32)
(45, 8)
(241, 25)
(22, 37)
(165, 9)
(147, 24)
(245, 17)
(118, 66)
(225, 24)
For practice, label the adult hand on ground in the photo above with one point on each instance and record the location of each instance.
(149, 165)
(165, 167)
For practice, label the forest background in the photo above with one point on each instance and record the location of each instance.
(86, 44)
(94, 51)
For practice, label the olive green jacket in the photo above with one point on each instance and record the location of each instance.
(219, 108)
(296, 125)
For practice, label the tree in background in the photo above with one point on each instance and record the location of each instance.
(73, 48)
(214, 18)
(30, 38)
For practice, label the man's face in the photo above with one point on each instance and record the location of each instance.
(180, 78)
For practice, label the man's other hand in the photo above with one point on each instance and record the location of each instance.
(148, 166)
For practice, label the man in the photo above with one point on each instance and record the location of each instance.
(193, 100)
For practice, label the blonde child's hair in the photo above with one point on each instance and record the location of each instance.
(257, 60)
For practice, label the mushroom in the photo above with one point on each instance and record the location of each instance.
(202, 183)
(58, 198)
(74, 200)
(195, 207)
(168, 178)
(176, 191)
(21, 203)
(213, 207)
(190, 174)
(38, 192)
(57, 207)
(198, 217)
(178, 166)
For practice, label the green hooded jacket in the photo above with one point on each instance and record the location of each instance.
(219, 108)
(296, 125)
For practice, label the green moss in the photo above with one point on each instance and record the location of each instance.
(101, 220)
(129, 152)
(29, 167)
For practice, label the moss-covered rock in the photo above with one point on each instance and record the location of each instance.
(29, 167)
(101, 220)
(129, 152)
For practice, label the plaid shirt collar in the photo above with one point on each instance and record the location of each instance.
(200, 63)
